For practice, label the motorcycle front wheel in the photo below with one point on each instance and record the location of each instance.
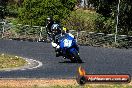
(75, 58)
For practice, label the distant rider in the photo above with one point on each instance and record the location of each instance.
(56, 32)
(53, 29)
(49, 24)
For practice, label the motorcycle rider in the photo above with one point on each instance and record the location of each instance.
(49, 24)
(56, 32)
(53, 29)
(64, 32)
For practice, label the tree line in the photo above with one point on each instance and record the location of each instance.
(108, 9)
(34, 12)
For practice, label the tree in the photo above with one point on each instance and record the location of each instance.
(34, 12)
(125, 17)
(3, 4)
(108, 8)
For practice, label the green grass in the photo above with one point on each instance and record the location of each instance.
(9, 61)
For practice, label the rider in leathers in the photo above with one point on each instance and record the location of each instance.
(49, 24)
(64, 32)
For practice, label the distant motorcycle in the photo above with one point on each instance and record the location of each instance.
(69, 48)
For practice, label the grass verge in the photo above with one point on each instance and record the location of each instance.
(10, 61)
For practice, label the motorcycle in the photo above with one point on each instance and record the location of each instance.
(69, 48)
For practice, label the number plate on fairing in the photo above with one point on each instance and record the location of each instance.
(67, 43)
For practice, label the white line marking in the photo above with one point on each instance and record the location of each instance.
(29, 65)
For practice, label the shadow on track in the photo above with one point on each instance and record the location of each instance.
(70, 62)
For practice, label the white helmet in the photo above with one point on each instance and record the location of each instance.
(55, 26)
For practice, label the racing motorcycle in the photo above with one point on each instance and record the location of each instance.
(69, 48)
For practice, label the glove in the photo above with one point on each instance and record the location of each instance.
(57, 46)
(49, 33)
(53, 44)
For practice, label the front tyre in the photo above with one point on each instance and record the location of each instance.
(76, 58)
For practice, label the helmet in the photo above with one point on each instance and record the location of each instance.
(49, 19)
(55, 28)
(64, 29)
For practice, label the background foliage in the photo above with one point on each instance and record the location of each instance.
(108, 10)
(81, 20)
(35, 12)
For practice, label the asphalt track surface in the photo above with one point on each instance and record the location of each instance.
(96, 60)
